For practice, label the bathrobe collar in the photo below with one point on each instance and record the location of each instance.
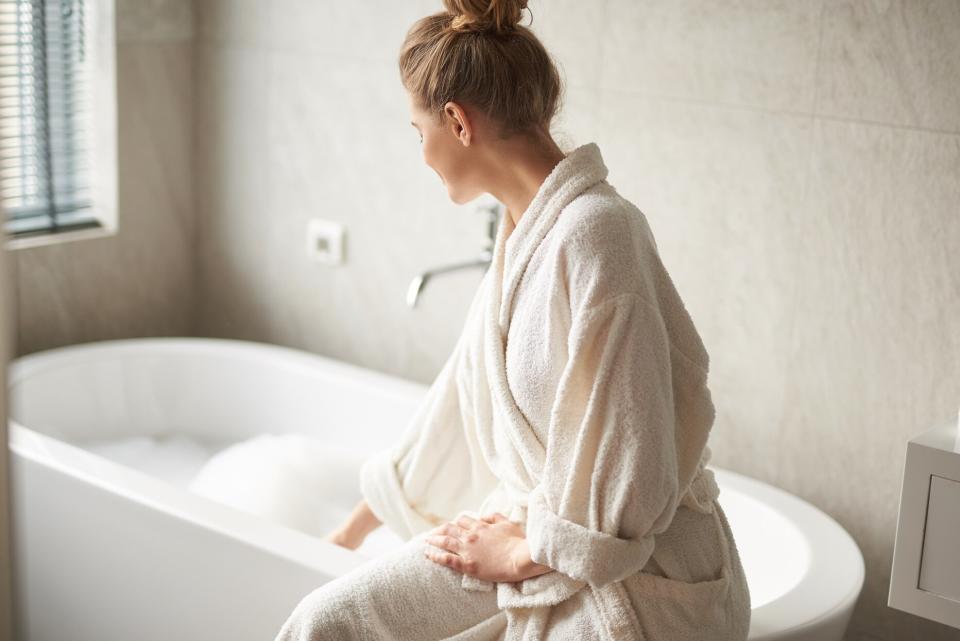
(578, 171)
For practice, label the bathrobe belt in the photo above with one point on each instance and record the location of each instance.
(701, 494)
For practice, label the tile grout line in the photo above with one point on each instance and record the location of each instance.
(768, 110)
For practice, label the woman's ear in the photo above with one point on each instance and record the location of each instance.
(459, 122)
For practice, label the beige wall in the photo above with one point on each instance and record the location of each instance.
(799, 163)
(138, 282)
(802, 172)
(7, 332)
(295, 122)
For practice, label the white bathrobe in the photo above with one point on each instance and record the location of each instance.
(575, 402)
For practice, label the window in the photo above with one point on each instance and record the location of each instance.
(48, 131)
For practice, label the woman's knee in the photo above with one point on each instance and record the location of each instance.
(326, 614)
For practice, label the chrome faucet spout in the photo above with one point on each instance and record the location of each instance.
(420, 281)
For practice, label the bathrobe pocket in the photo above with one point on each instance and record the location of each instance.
(694, 590)
(672, 609)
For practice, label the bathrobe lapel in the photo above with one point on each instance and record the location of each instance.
(514, 246)
(512, 448)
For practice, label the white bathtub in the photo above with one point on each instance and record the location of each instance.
(109, 551)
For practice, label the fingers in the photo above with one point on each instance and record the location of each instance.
(469, 523)
(445, 558)
(466, 521)
(448, 528)
(446, 542)
(451, 559)
(450, 538)
(495, 517)
(454, 561)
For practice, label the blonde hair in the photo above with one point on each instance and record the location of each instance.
(476, 52)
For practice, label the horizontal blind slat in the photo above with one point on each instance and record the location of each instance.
(44, 110)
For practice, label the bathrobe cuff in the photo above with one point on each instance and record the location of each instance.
(381, 488)
(586, 555)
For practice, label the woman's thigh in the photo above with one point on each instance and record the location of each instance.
(398, 596)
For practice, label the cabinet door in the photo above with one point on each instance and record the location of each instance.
(940, 561)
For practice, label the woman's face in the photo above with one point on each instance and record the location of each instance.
(447, 150)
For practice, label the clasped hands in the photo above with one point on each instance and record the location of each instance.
(492, 548)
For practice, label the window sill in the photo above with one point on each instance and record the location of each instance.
(55, 238)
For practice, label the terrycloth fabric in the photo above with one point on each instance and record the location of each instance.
(403, 596)
(575, 402)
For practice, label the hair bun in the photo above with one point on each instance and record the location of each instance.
(485, 15)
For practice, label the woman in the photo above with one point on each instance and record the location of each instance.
(552, 484)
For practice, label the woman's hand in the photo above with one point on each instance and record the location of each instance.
(354, 531)
(344, 537)
(492, 548)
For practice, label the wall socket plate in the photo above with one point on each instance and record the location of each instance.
(325, 241)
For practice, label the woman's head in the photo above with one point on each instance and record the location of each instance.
(475, 76)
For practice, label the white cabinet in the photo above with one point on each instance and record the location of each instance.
(940, 559)
(925, 579)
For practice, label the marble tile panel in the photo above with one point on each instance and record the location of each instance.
(140, 281)
(719, 188)
(874, 347)
(232, 204)
(891, 61)
(342, 149)
(154, 20)
(235, 23)
(372, 30)
(572, 32)
(757, 53)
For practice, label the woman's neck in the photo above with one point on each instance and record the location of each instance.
(522, 173)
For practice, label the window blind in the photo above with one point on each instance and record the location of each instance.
(45, 126)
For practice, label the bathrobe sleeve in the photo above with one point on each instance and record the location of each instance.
(610, 480)
(435, 469)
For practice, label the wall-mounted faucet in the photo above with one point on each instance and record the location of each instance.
(493, 212)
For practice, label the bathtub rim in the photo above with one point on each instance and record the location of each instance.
(278, 540)
(807, 605)
(803, 606)
(36, 362)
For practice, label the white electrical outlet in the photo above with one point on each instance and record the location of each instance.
(325, 241)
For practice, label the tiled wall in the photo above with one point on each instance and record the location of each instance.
(139, 282)
(799, 163)
(7, 333)
(798, 160)
(301, 115)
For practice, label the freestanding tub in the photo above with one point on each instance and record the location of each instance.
(106, 549)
